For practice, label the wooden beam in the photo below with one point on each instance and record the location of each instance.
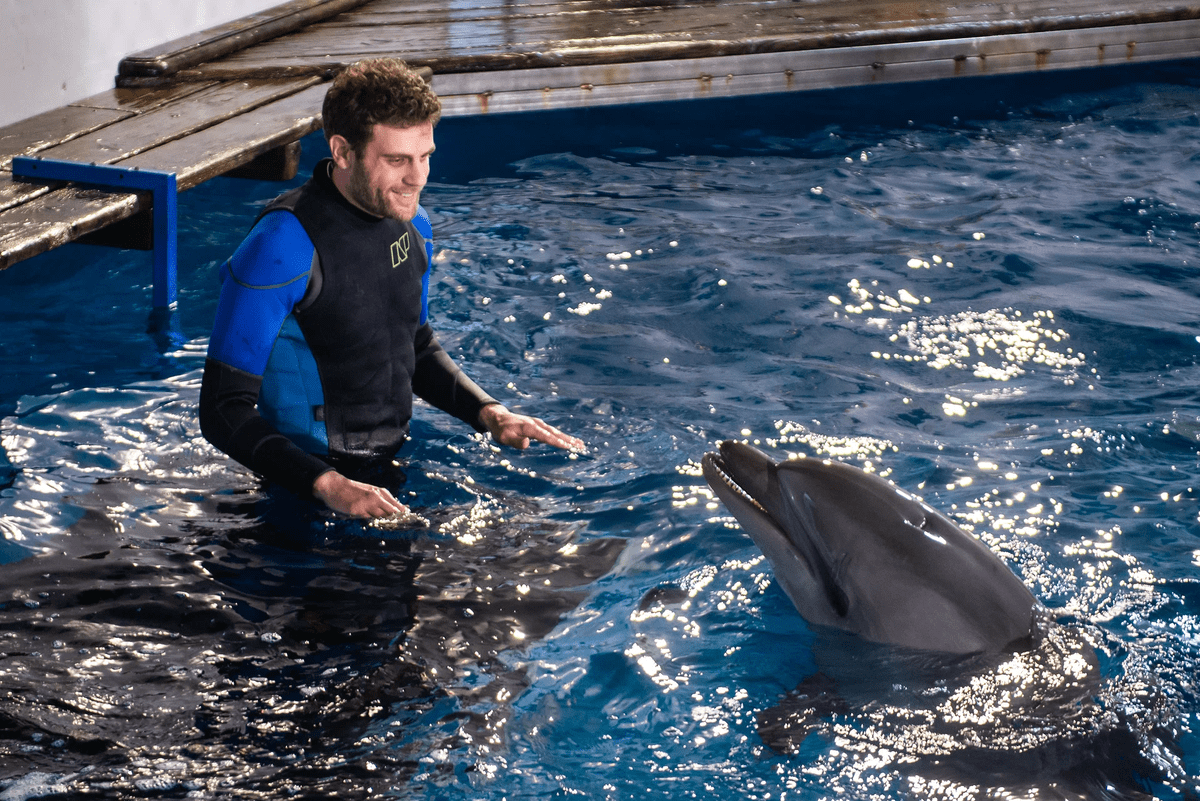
(158, 64)
(277, 164)
(490, 92)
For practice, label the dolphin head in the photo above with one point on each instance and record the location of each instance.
(854, 552)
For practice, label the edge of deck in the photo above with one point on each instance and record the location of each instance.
(162, 62)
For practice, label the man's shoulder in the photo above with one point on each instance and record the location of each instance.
(276, 251)
(422, 223)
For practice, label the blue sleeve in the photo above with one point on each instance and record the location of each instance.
(425, 229)
(260, 284)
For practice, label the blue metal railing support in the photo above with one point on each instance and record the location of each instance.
(161, 184)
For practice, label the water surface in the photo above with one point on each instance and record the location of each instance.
(993, 304)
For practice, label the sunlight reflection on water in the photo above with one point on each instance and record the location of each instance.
(976, 312)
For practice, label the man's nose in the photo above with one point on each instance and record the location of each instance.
(416, 175)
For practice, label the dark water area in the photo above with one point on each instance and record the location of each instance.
(985, 293)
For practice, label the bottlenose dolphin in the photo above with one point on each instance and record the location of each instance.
(854, 552)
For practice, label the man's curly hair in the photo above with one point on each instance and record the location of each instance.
(376, 90)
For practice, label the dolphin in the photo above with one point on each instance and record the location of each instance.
(854, 552)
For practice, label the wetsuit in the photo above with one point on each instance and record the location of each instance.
(322, 337)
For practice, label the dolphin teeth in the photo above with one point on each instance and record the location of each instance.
(728, 481)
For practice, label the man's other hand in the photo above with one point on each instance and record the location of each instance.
(516, 430)
(355, 498)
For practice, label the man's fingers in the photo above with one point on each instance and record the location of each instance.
(354, 498)
(382, 503)
(551, 435)
(516, 430)
(533, 428)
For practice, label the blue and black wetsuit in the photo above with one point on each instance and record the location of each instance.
(322, 337)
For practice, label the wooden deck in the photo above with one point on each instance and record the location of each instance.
(240, 96)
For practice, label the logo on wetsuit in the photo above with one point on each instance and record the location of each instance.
(400, 251)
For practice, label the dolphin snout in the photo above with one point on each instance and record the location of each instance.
(743, 468)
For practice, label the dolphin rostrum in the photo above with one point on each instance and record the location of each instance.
(854, 552)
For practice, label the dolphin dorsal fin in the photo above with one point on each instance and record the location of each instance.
(801, 530)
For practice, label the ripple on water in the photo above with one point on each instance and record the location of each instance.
(997, 314)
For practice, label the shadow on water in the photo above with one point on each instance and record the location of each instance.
(210, 648)
(1045, 722)
(1073, 717)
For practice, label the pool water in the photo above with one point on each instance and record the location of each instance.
(987, 295)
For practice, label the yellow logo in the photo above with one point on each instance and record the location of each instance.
(400, 250)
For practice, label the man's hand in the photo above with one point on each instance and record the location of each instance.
(355, 498)
(516, 430)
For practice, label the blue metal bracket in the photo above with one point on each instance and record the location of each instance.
(161, 184)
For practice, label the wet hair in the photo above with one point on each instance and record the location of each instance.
(376, 90)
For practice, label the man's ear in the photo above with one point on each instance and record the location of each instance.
(342, 152)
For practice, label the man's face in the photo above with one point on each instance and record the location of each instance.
(388, 177)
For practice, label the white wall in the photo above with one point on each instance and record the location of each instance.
(53, 52)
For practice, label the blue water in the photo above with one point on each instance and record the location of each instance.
(987, 295)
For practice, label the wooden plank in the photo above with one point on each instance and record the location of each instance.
(765, 73)
(140, 99)
(198, 111)
(40, 132)
(50, 128)
(170, 58)
(63, 215)
(235, 142)
(14, 192)
(586, 21)
(655, 33)
(60, 217)
(807, 60)
(569, 15)
(60, 125)
(867, 12)
(515, 24)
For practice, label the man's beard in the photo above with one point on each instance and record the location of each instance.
(368, 199)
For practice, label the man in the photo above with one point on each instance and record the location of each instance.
(321, 336)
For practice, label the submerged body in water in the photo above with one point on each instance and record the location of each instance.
(139, 663)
